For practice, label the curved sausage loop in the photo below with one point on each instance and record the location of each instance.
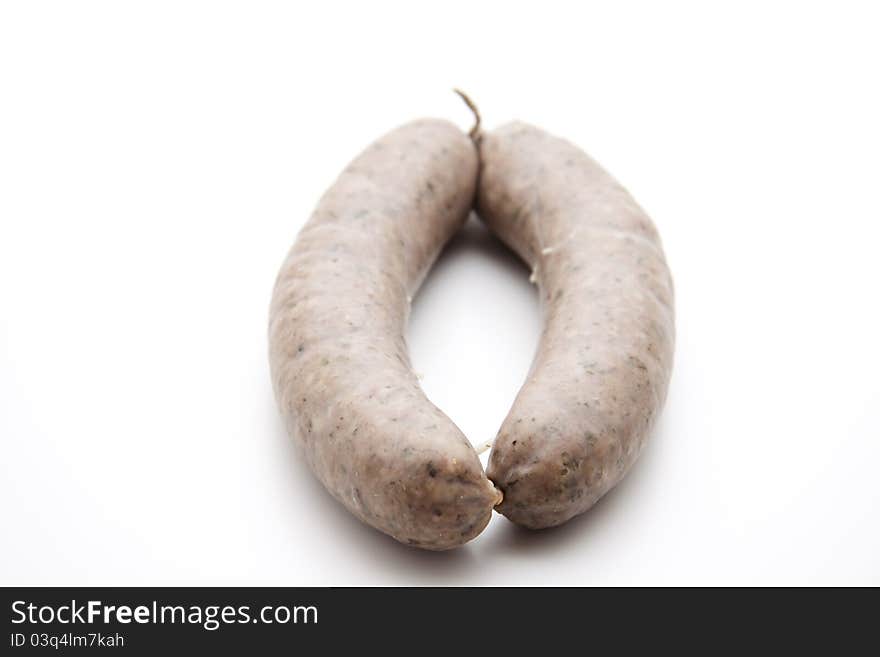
(340, 366)
(601, 371)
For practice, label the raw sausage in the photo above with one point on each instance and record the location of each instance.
(600, 374)
(340, 366)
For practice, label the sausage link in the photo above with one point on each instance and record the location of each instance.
(340, 366)
(601, 371)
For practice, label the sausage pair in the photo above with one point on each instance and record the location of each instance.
(340, 367)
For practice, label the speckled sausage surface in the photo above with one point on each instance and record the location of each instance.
(339, 361)
(601, 371)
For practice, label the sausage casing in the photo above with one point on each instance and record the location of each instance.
(340, 366)
(602, 367)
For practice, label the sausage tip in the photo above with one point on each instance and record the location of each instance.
(499, 494)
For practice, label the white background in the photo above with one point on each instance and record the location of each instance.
(157, 160)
